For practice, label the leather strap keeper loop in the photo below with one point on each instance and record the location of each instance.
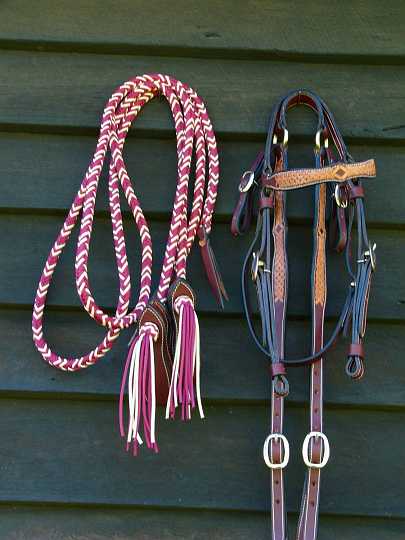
(356, 349)
(356, 192)
(277, 368)
(266, 202)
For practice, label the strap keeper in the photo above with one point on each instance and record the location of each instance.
(266, 202)
(356, 349)
(356, 192)
(277, 368)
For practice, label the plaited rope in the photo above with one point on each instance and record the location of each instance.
(194, 134)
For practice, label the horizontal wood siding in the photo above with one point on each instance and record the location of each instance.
(64, 474)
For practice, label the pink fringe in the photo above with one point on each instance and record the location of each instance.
(139, 377)
(186, 365)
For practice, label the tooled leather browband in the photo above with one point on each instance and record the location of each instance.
(338, 173)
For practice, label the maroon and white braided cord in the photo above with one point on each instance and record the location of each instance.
(194, 135)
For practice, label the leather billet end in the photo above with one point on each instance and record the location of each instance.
(211, 267)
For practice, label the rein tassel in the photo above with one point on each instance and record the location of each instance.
(187, 362)
(139, 373)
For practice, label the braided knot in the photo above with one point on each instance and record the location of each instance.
(149, 329)
(182, 301)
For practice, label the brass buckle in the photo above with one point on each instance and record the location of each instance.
(326, 450)
(286, 452)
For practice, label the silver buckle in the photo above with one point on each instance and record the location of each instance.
(247, 181)
(318, 140)
(342, 203)
(266, 457)
(326, 450)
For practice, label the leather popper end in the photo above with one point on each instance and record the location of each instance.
(211, 268)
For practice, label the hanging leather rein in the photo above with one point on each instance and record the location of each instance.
(163, 362)
(266, 267)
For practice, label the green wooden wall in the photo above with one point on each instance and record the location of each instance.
(63, 473)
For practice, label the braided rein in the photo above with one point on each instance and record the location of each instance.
(194, 134)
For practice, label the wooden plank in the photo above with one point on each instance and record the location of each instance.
(55, 523)
(44, 172)
(369, 28)
(57, 451)
(26, 240)
(226, 349)
(68, 91)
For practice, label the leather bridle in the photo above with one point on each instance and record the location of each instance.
(159, 319)
(266, 266)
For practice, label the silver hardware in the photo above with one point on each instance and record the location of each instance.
(266, 456)
(247, 181)
(318, 140)
(256, 264)
(342, 203)
(370, 254)
(285, 137)
(326, 450)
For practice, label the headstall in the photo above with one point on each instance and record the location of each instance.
(163, 362)
(338, 190)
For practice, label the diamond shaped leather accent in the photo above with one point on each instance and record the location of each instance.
(340, 172)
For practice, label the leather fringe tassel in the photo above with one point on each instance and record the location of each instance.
(139, 375)
(187, 362)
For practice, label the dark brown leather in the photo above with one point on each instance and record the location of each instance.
(211, 267)
(356, 191)
(156, 313)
